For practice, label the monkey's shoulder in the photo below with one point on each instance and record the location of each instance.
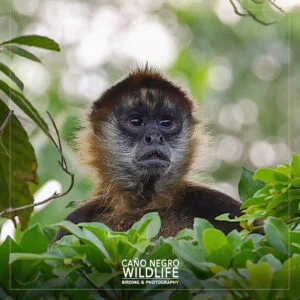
(204, 202)
(205, 197)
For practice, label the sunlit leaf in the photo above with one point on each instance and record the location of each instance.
(35, 41)
(271, 175)
(10, 74)
(22, 52)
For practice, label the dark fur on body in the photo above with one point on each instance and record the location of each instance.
(126, 188)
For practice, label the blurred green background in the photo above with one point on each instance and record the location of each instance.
(243, 74)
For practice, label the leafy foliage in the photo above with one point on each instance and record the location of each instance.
(212, 264)
(17, 166)
(18, 163)
(90, 258)
(279, 195)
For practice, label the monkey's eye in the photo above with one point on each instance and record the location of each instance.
(165, 122)
(136, 122)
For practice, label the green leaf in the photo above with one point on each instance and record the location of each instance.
(260, 275)
(239, 261)
(192, 255)
(200, 225)
(295, 167)
(225, 217)
(20, 100)
(235, 241)
(22, 52)
(265, 250)
(149, 225)
(288, 278)
(163, 249)
(72, 204)
(85, 236)
(273, 262)
(221, 256)
(29, 240)
(30, 256)
(277, 233)
(101, 278)
(213, 239)
(10, 74)
(254, 201)
(271, 176)
(187, 234)
(295, 237)
(248, 186)
(35, 41)
(5, 248)
(275, 201)
(18, 171)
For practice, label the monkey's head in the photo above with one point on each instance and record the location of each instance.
(142, 134)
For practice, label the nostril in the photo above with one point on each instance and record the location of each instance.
(161, 139)
(148, 139)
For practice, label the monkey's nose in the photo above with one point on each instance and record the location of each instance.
(154, 139)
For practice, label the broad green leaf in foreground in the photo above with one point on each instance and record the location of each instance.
(18, 170)
(277, 233)
(149, 225)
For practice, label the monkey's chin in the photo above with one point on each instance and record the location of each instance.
(154, 164)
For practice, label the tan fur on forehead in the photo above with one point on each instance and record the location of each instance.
(148, 97)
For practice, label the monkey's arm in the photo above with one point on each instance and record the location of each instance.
(85, 213)
(203, 202)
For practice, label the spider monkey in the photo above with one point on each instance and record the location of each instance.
(141, 140)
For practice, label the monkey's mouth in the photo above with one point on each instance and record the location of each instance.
(154, 160)
(154, 155)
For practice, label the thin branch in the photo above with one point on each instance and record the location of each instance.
(237, 11)
(54, 196)
(4, 124)
(272, 2)
(63, 165)
(252, 15)
(59, 147)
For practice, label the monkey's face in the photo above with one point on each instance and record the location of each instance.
(147, 137)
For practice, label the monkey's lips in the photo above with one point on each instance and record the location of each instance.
(154, 159)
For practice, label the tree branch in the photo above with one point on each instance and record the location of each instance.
(252, 15)
(272, 2)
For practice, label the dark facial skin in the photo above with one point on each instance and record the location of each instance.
(153, 132)
(146, 139)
